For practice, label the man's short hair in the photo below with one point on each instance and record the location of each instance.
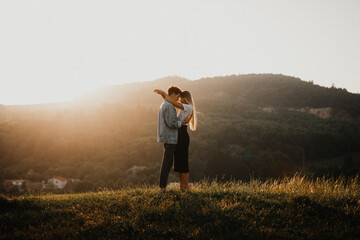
(174, 89)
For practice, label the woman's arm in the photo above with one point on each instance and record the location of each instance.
(160, 92)
(169, 99)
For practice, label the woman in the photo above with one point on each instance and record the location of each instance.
(188, 113)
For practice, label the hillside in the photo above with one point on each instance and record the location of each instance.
(258, 90)
(267, 126)
(294, 208)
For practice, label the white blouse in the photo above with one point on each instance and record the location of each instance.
(183, 114)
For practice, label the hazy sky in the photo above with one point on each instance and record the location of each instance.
(55, 50)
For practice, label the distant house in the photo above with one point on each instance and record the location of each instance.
(135, 169)
(14, 182)
(20, 184)
(60, 182)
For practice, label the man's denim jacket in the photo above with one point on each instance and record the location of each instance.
(168, 124)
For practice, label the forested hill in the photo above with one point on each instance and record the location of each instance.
(262, 125)
(252, 90)
(259, 90)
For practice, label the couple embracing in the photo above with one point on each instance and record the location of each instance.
(173, 132)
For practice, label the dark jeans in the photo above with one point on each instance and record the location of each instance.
(169, 150)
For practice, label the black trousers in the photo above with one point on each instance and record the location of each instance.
(182, 151)
(169, 151)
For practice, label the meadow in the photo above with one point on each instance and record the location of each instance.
(288, 208)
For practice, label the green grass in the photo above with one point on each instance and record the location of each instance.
(292, 208)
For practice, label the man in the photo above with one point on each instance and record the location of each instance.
(168, 125)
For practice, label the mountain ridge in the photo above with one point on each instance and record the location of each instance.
(255, 90)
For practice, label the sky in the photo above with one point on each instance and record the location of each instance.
(55, 50)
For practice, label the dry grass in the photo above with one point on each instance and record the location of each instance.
(296, 207)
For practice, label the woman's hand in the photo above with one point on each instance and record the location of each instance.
(186, 121)
(161, 92)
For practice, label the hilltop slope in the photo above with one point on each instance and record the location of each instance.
(294, 208)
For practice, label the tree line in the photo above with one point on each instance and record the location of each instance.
(236, 138)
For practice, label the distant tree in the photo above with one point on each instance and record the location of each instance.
(13, 190)
(348, 163)
(83, 186)
(2, 188)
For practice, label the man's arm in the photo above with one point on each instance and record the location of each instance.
(169, 99)
(170, 117)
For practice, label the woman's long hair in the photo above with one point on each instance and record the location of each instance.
(193, 121)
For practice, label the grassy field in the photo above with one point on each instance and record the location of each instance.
(292, 208)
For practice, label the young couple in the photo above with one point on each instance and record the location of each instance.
(172, 131)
